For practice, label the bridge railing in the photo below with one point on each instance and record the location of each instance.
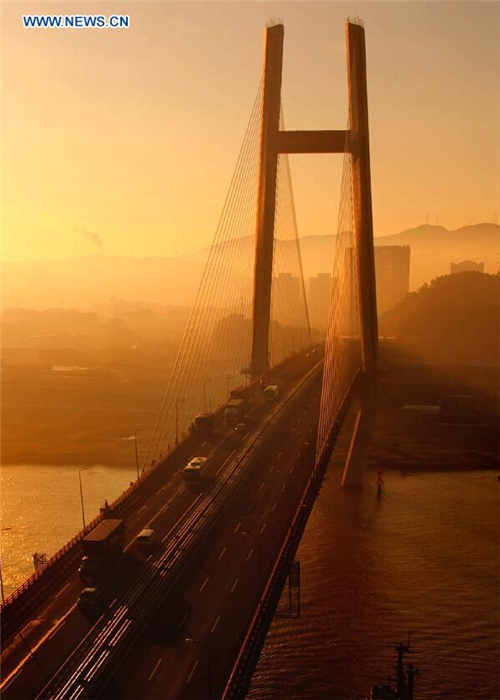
(24, 599)
(26, 596)
(244, 666)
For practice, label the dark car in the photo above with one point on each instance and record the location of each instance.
(146, 541)
(91, 601)
(90, 571)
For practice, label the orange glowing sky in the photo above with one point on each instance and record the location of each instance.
(133, 134)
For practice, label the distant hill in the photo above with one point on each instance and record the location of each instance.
(433, 248)
(455, 318)
(86, 281)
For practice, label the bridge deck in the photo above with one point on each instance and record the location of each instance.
(60, 626)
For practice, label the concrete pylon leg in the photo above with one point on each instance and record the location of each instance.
(357, 456)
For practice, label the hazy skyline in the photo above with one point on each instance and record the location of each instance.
(130, 137)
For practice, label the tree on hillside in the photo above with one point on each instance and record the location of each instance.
(455, 318)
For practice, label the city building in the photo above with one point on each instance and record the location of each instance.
(320, 288)
(287, 298)
(392, 272)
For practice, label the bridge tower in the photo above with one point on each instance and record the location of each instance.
(273, 141)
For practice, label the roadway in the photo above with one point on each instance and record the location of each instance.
(34, 655)
(188, 651)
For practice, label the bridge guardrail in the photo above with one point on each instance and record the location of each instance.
(23, 599)
(94, 650)
(244, 666)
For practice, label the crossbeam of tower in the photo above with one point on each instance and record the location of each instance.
(274, 141)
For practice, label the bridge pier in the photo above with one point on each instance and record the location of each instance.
(359, 446)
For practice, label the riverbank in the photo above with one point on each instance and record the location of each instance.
(435, 417)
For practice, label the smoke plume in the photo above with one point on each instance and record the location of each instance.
(93, 237)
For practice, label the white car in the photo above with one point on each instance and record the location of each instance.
(195, 470)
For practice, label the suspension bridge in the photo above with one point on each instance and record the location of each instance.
(189, 620)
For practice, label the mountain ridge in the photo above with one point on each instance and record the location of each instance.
(85, 281)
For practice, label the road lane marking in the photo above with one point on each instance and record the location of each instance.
(4, 687)
(237, 528)
(222, 553)
(224, 463)
(282, 487)
(155, 669)
(56, 629)
(263, 528)
(181, 622)
(273, 508)
(250, 505)
(204, 583)
(234, 585)
(261, 486)
(141, 509)
(191, 507)
(271, 470)
(212, 630)
(250, 554)
(192, 671)
(280, 453)
(63, 589)
(19, 667)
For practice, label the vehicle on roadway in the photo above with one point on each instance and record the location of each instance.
(271, 392)
(241, 428)
(146, 541)
(234, 411)
(102, 549)
(91, 601)
(195, 471)
(204, 424)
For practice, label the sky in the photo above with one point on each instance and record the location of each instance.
(129, 137)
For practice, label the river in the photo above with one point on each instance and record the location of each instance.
(423, 558)
(41, 510)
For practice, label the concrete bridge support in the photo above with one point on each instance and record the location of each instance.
(357, 455)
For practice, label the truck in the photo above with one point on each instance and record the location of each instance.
(102, 549)
(234, 411)
(204, 424)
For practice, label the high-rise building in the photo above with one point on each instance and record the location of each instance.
(320, 288)
(392, 273)
(286, 298)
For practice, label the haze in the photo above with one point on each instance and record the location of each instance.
(125, 141)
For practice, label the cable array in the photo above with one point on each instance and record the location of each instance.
(214, 355)
(290, 328)
(342, 351)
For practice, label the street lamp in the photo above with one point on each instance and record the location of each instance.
(206, 644)
(208, 379)
(1, 583)
(81, 490)
(136, 432)
(245, 533)
(229, 375)
(178, 401)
